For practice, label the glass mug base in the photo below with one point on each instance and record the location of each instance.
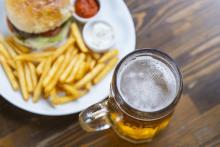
(132, 140)
(129, 122)
(137, 132)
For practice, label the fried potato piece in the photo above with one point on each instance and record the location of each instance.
(39, 87)
(68, 59)
(10, 50)
(29, 82)
(96, 55)
(53, 71)
(108, 55)
(70, 89)
(62, 100)
(88, 86)
(7, 56)
(56, 77)
(77, 35)
(15, 73)
(92, 64)
(63, 48)
(18, 46)
(82, 71)
(106, 70)
(68, 69)
(66, 99)
(72, 74)
(9, 73)
(33, 74)
(40, 67)
(22, 80)
(34, 57)
(89, 76)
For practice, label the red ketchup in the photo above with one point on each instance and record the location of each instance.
(86, 8)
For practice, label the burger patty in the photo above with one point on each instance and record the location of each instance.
(26, 35)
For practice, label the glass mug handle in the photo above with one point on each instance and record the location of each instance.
(95, 118)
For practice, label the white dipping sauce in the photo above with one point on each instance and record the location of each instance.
(99, 36)
(102, 35)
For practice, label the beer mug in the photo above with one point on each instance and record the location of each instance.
(145, 88)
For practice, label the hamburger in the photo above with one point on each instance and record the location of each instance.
(38, 24)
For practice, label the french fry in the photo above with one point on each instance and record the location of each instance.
(96, 56)
(64, 65)
(89, 76)
(63, 48)
(106, 70)
(53, 94)
(92, 64)
(62, 100)
(33, 74)
(83, 92)
(10, 74)
(54, 70)
(66, 99)
(68, 57)
(23, 48)
(56, 77)
(34, 57)
(40, 67)
(11, 63)
(28, 78)
(70, 89)
(22, 81)
(39, 87)
(88, 86)
(67, 71)
(108, 55)
(87, 67)
(7, 56)
(72, 74)
(73, 54)
(15, 73)
(14, 47)
(82, 71)
(88, 58)
(10, 50)
(77, 35)
(46, 95)
(18, 46)
(3, 51)
(70, 50)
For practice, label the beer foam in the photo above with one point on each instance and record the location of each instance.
(147, 84)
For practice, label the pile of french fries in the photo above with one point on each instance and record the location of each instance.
(60, 75)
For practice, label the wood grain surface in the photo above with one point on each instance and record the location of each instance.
(189, 31)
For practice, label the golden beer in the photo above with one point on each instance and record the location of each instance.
(145, 89)
(132, 129)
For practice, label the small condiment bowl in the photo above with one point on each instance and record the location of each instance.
(87, 36)
(82, 19)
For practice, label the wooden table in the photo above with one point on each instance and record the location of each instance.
(189, 31)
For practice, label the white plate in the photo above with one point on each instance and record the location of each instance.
(118, 14)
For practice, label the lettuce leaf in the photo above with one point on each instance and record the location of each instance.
(45, 42)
